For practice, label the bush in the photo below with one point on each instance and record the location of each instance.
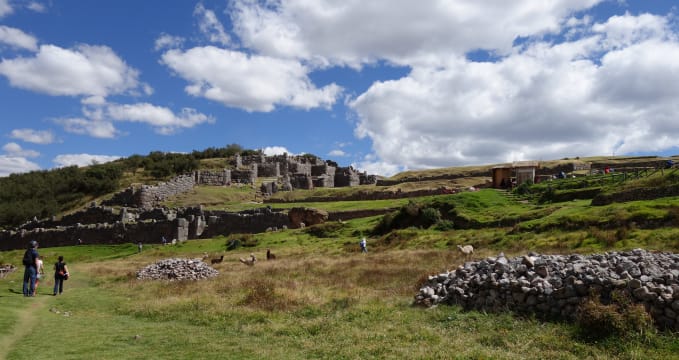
(444, 225)
(620, 318)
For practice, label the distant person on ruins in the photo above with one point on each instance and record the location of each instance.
(139, 246)
(60, 274)
(364, 245)
(30, 262)
(163, 240)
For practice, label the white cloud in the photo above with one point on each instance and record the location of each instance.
(275, 150)
(166, 41)
(17, 38)
(5, 8)
(162, 119)
(33, 136)
(210, 26)
(99, 118)
(14, 149)
(94, 128)
(37, 7)
(249, 82)
(82, 159)
(85, 70)
(543, 101)
(355, 32)
(16, 165)
(374, 167)
(337, 152)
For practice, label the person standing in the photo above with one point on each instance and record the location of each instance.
(139, 246)
(364, 245)
(60, 274)
(30, 262)
(40, 274)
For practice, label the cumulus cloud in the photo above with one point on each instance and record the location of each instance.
(84, 70)
(544, 100)
(275, 150)
(37, 7)
(210, 26)
(337, 153)
(162, 119)
(33, 136)
(355, 32)
(16, 165)
(166, 41)
(249, 82)
(17, 38)
(100, 116)
(82, 159)
(92, 127)
(5, 8)
(14, 149)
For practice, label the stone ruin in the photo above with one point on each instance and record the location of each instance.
(553, 286)
(177, 269)
(290, 172)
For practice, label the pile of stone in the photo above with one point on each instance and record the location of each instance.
(177, 269)
(553, 286)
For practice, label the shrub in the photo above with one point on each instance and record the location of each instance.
(444, 225)
(430, 216)
(620, 318)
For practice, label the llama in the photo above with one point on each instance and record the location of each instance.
(302, 225)
(467, 250)
(270, 255)
(249, 262)
(218, 260)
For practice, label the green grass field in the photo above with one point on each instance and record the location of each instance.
(322, 298)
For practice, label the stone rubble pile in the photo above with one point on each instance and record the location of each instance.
(177, 269)
(553, 286)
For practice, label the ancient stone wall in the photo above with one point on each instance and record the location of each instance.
(224, 223)
(346, 176)
(301, 181)
(213, 177)
(552, 286)
(268, 170)
(150, 196)
(244, 176)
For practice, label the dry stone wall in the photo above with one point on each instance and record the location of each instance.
(552, 286)
(213, 177)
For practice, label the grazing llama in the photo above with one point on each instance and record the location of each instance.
(249, 262)
(218, 260)
(467, 250)
(270, 255)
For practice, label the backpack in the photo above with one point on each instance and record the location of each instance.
(28, 258)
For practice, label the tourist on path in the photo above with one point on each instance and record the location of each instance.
(40, 274)
(30, 262)
(364, 245)
(60, 274)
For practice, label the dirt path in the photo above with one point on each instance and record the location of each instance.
(28, 317)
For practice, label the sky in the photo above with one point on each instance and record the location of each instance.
(381, 85)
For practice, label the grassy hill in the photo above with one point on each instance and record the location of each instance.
(322, 298)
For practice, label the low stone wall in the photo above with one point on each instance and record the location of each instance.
(224, 223)
(553, 286)
(150, 196)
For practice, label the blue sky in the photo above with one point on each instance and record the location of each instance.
(383, 85)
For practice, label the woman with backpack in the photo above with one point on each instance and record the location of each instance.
(60, 274)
